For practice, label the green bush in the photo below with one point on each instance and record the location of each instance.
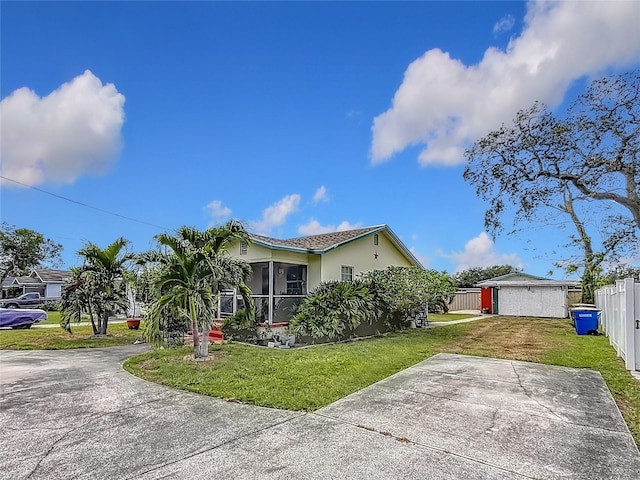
(405, 292)
(334, 310)
(52, 305)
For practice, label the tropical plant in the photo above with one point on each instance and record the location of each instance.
(98, 286)
(405, 292)
(191, 268)
(334, 310)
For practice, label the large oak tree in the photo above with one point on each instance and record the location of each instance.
(588, 156)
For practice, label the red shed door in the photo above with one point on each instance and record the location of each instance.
(486, 300)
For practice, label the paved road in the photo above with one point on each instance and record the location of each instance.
(77, 414)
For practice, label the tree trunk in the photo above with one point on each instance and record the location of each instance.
(591, 261)
(93, 323)
(204, 346)
(105, 322)
(194, 328)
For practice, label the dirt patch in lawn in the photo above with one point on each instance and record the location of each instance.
(515, 339)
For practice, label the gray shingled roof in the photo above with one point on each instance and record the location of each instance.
(26, 281)
(317, 243)
(50, 275)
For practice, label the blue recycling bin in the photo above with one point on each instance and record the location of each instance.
(585, 321)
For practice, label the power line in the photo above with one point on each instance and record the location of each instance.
(85, 204)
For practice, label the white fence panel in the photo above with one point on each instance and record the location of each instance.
(620, 319)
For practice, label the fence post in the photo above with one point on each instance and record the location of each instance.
(628, 324)
(635, 332)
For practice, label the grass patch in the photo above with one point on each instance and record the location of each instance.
(57, 338)
(310, 378)
(53, 318)
(449, 317)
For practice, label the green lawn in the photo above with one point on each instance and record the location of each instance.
(57, 338)
(310, 378)
(53, 318)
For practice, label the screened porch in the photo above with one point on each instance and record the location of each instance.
(277, 287)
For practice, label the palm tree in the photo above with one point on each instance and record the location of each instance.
(103, 272)
(193, 266)
(76, 299)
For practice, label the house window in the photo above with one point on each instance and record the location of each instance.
(375, 239)
(243, 247)
(346, 273)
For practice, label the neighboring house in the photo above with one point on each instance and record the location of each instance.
(284, 271)
(523, 295)
(48, 283)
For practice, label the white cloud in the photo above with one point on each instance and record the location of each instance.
(321, 195)
(505, 24)
(276, 214)
(444, 104)
(73, 131)
(217, 211)
(314, 227)
(480, 252)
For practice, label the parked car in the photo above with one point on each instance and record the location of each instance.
(21, 318)
(26, 300)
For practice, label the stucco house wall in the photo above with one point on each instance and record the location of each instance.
(361, 255)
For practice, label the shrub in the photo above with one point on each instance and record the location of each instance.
(334, 310)
(405, 292)
(52, 305)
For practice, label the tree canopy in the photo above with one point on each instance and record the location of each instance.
(584, 163)
(593, 150)
(22, 249)
(468, 278)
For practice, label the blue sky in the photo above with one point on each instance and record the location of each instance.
(296, 118)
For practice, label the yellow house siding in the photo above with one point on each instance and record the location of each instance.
(314, 272)
(257, 253)
(361, 255)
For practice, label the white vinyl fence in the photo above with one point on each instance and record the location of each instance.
(620, 319)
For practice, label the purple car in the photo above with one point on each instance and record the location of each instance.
(21, 318)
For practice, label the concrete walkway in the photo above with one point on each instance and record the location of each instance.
(463, 320)
(77, 414)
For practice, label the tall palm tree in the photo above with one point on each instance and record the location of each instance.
(193, 266)
(103, 272)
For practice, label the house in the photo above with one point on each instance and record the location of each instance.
(47, 282)
(524, 295)
(284, 271)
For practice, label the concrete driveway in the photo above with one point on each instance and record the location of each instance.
(77, 414)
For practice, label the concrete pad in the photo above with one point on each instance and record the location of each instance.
(313, 447)
(485, 410)
(77, 414)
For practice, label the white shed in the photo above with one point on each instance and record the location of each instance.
(523, 295)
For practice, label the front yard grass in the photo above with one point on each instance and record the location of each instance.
(310, 378)
(53, 318)
(57, 338)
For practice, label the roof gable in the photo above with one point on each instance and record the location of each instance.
(51, 276)
(316, 243)
(325, 242)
